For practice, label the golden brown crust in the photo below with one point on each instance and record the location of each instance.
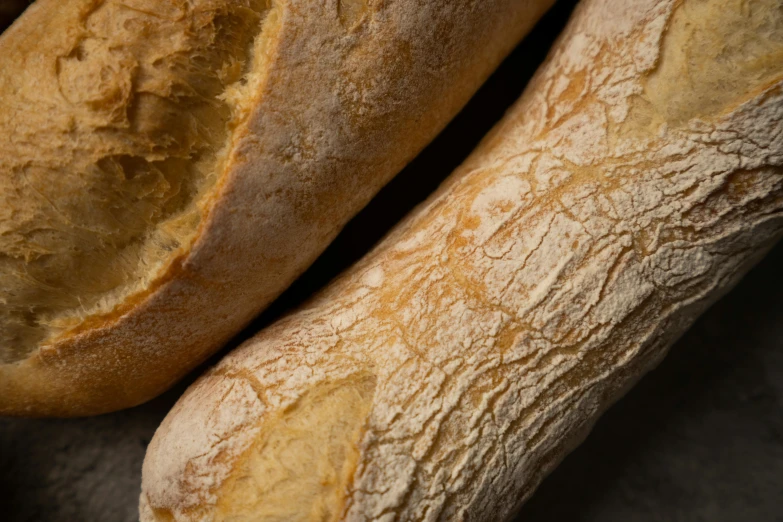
(116, 117)
(347, 93)
(550, 272)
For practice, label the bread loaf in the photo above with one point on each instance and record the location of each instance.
(168, 168)
(450, 370)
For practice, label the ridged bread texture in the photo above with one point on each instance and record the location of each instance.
(169, 168)
(441, 378)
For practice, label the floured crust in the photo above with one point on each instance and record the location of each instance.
(496, 324)
(347, 92)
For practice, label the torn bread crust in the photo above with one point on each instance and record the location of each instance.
(548, 274)
(198, 156)
(139, 111)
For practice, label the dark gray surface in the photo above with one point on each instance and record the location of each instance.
(699, 439)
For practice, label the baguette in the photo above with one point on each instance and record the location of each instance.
(169, 168)
(443, 376)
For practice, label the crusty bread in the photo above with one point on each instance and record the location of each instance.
(443, 376)
(168, 168)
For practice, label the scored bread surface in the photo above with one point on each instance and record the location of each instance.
(171, 167)
(88, 220)
(446, 374)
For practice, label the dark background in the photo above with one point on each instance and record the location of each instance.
(699, 439)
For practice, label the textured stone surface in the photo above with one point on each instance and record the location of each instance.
(700, 438)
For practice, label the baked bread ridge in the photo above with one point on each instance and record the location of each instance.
(453, 367)
(339, 96)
